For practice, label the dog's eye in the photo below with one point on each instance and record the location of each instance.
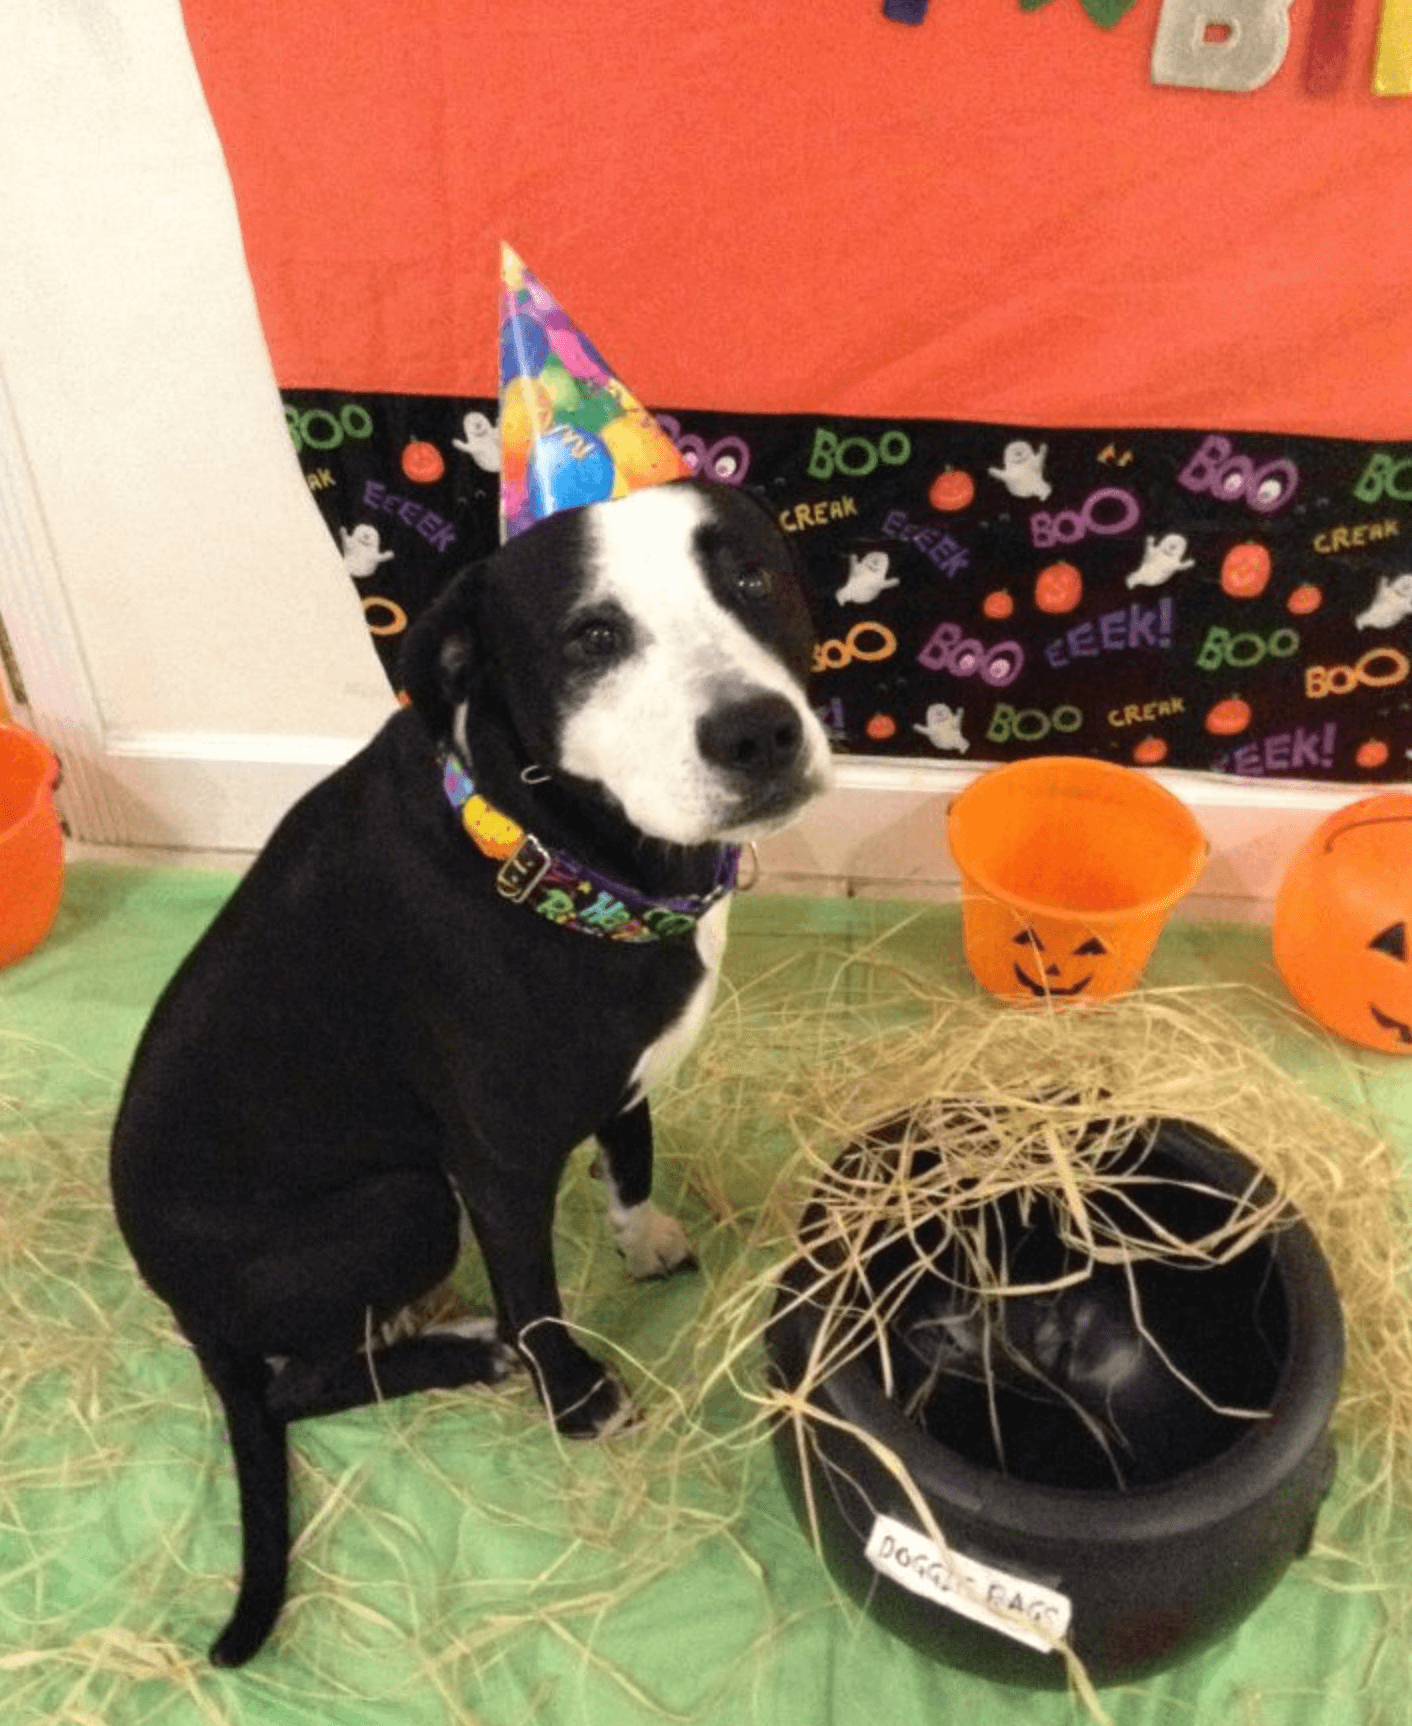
(596, 638)
(752, 583)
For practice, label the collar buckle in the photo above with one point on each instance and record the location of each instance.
(522, 871)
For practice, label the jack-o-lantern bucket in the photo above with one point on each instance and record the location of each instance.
(1069, 868)
(31, 843)
(1343, 923)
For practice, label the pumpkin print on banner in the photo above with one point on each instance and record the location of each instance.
(1058, 588)
(1245, 570)
(1343, 923)
(1224, 603)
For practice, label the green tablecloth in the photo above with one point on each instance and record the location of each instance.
(455, 1562)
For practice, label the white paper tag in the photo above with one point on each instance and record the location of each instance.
(990, 1597)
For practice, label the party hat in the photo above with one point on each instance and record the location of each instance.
(570, 431)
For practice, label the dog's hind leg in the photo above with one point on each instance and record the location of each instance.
(652, 1243)
(306, 1283)
(445, 1357)
(262, 1475)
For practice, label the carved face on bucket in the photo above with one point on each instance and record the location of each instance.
(1392, 943)
(1058, 966)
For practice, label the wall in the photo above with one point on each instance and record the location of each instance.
(155, 509)
(162, 493)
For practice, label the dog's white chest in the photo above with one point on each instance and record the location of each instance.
(660, 1059)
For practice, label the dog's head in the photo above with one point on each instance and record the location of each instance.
(653, 649)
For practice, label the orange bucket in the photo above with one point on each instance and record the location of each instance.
(1068, 870)
(31, 844)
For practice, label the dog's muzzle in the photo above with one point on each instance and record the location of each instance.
(755, 741)
(759, 748)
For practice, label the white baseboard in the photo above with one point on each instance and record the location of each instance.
(881, 833)
(210, 793)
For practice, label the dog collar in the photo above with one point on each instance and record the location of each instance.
(562, 889)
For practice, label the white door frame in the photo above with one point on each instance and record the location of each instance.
(188, 790)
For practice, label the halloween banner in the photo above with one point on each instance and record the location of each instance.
(1236, 603)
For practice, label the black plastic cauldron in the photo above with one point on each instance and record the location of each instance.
(1086, 1471)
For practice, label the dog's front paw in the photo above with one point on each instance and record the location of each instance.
(652, 1243)
(584, 1399)
(604, 1412)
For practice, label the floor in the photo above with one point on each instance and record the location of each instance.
(444, 1573)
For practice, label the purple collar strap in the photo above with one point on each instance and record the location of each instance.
(566, 891)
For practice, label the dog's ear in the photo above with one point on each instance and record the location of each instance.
(440, 655)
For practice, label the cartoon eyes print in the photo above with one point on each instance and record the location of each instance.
(1236, 483)
(725, 461)
(1049, 983)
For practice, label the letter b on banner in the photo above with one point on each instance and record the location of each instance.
(1220, 44)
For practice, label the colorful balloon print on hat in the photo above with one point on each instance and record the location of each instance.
(571, 433)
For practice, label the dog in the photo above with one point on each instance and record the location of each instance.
(478, 944)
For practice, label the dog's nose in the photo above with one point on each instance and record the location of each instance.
(756, 737)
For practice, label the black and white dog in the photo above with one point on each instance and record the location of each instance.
(478, 944)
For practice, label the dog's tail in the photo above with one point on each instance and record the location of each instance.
(257, 1438)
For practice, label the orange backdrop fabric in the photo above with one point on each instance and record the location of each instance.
(806, 208)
